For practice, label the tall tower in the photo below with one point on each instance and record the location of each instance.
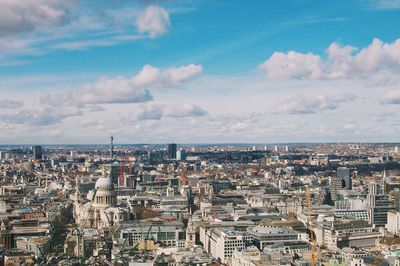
(384, 178)
(37, 152)
(111, 147)
(343, 174)
(190, 232)
(172, 151)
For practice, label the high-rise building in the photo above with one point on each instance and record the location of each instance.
(335, 186)
(343, 173)
(37, 152)
(181, 155)
(115, 170)
(378, 205)
(111, 147)
(172, 151)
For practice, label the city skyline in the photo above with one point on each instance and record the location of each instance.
(199, 71)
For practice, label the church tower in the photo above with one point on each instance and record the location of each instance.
(190, 232)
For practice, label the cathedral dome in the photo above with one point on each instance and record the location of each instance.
(104, 183)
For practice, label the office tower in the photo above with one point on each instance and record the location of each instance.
(172, 151)
(181, 155)
(111, 147)
(197, 166)
(396, 149)
(37, 152)
(115, 170)
(378, 205)
(335, 186)
(343, 173)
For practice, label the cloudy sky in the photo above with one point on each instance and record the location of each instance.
(199, 71)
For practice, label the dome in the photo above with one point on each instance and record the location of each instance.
(104, 183)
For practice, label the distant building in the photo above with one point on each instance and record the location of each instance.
(343, 173)
(335, 186)
(3, 155)
(115, 171)
(111, 147)
(172, 151)
(181, 155)
(37, 152)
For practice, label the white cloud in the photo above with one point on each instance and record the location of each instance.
(102, 42)
(312, 105)
(120, 90)
(293, 65)
(125, 90)
(154, 20)
(21, 16)
(10, 104)
(36, 27)
(350, 125)
(157, 111)
(40, 116)
(392, 97)
(343, 62)
(386, 4)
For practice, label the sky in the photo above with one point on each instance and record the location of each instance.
(199, 71)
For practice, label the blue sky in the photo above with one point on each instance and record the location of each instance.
(199, 71)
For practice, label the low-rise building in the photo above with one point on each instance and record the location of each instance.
(264, 236)
(222, 242)
(332, 233)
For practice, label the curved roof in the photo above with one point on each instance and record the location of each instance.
(104, 183)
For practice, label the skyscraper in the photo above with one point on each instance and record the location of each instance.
(343, 173)
(181, 155)
(37, 152)
(172, 151)
(111, 147)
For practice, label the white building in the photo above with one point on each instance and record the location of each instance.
(169, 233)
(247, 257)
(101, 208)
(251, 256)
(393, 222)
(333, 233)
(222, 242)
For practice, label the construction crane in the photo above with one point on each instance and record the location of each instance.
(147, 238)
(313, 241)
